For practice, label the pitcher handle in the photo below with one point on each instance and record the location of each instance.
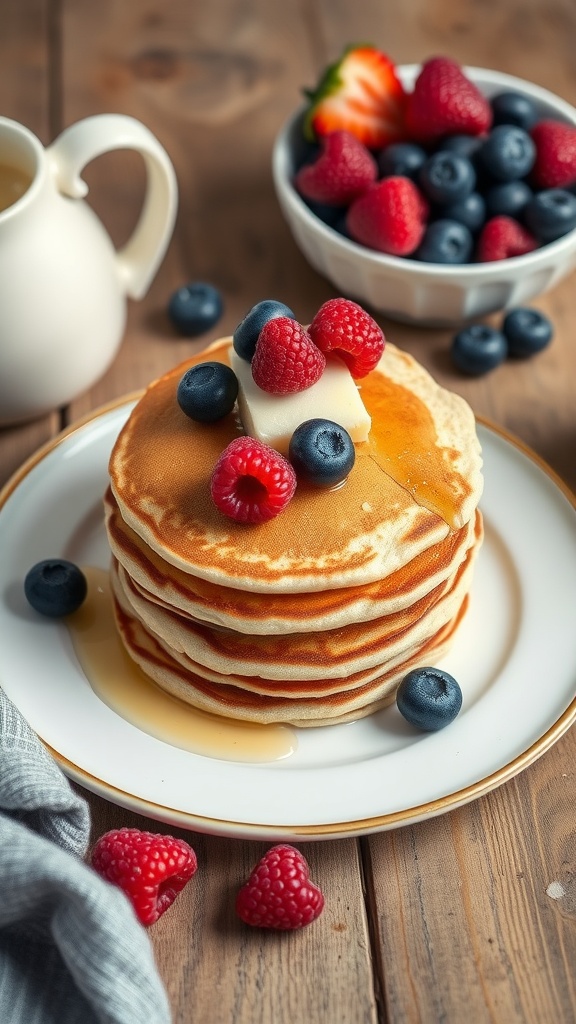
(139, 259)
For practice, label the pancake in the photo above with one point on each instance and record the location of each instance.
(250, 612)
(416, 479)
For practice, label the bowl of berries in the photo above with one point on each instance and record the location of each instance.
(433, 193)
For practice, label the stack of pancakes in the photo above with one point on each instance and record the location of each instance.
(313, 617)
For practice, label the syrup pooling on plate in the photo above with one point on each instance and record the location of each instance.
(130, 693)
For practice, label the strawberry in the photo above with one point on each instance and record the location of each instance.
(555, 164)
(279, 893)
(343, 327)
(360, 93)
(251, 482)
(151, 869)
(344, 169)
(390, 217)
(286, 359)
(503, 237)
(445, 102)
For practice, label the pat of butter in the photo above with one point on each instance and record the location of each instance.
(274, 418)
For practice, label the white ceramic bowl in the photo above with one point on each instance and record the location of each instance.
(429, 294)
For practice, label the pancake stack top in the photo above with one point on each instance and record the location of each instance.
(315, 616)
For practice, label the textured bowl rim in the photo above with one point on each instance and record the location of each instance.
(461, 271)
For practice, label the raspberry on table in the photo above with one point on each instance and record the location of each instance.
(150, 868)
(344, 328)
(279, 893)
(286, 360)
(251, 482)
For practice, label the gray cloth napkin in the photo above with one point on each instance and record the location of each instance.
(71, 948)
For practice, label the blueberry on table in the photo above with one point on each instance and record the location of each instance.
(446, 177)
(321, 452)
(508, 153)
(478, 348)
(429, 698)
(55, 587)
(470, 211)
(246, 334)
(207, 391)
(551, 214)
(527, 331)
(195, 308)
(404, 158)
(463, 145)
(514, 108)
(445, 241)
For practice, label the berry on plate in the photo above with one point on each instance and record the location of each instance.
(445, 102)
(343, 170)
(389, 217)
(445, 241)
(447, 177)
(503, 237)
(343, 328)
(279, 893)
(251, 482)
(555, 164)
(527, 331)
(286, 359)
(195, 308)
(550, 214)
(478, 348)
(359, 93)
(150, 868)
(321, 452)
(55, 587)
(429, 698)
(207, 392)
(246, 334)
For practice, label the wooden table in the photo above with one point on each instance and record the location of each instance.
(449, 920)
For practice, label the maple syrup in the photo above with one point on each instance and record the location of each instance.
(125, 688)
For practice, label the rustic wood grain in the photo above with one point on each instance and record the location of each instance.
(468, 917)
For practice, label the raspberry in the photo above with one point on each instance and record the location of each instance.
(343, 327)
(390, 217)
(150, 868)
(555, 164)
(251, 482)
(286, 360)
(502, 237)
(446, 102)
(344, 169)
(279, 893)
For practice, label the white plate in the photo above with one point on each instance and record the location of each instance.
(514, 656)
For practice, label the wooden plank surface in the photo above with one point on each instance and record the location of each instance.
(451, 920)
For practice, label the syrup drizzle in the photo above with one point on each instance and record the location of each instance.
(125, 688)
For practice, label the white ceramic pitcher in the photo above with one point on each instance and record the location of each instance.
(63, 285)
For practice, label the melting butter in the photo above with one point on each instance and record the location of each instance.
(125, 688)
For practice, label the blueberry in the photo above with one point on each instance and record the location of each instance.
(330, 215)
(246, 334)
(321, 452)
(207, 392)
(508, 198)
(446, 178)
(514, 108)
(551, 214)
(445, 241)
(470, 211)
(527, 331)
(429, 698)
(55, 587)
(508, 153)
(195, 308)
(478, 348)
(403, 158)
(463, 145)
